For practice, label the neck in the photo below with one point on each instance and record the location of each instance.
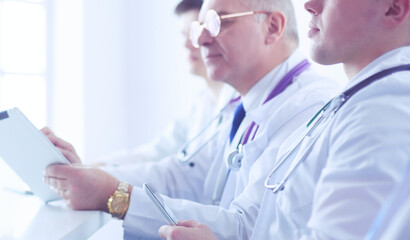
(214, 86)
(352, 68)
(270, 63)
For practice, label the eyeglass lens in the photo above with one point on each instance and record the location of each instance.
(212, 24)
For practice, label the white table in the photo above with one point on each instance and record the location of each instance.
(25, 216)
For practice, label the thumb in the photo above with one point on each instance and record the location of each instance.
(165, 231)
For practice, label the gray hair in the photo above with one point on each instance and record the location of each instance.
(284, 6)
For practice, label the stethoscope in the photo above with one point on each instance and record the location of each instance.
(315, 124)
(235, 158)
(183, 156)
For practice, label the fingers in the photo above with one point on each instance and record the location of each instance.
(174, 232)
(58, 142)
(59, 185)
(61, 188)
(66, 148)
(82, 187)
(71, 157)
(188, 223)
(64, 194)
(58, 171)
(56, 183)
(60, 178)
(46, 131)
(185, 230)
(165, 231)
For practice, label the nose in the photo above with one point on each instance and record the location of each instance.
(313, 7)
(188, 44)
(205, 38)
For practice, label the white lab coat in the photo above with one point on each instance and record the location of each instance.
(277, 119)
(393, 219)
(178, 133)
(338, 189)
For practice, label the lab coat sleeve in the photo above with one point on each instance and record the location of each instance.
(393, 219)
(169, 176)
(173, 138)
(143, 219)
(167, 144)
(175, 178)
(369, 148)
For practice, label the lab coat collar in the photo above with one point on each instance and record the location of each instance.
(253, 101)
(227, 94)
(390, 59)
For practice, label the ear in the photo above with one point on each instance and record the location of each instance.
(275, 26)
(397, 12)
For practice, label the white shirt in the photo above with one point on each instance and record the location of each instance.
(338, 189)
(179, 132)
(277, 119)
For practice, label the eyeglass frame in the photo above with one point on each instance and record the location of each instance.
(201, 25)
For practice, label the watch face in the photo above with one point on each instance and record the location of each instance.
(119, 204)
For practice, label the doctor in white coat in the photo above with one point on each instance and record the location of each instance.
(212, 97)
(332, 175)
(279, 92)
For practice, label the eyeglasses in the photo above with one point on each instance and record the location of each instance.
(213, 24)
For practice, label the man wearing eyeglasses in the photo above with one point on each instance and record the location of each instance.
(332, 176)
(209, 100)
(250, 45)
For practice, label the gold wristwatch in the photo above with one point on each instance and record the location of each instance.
(119, 201)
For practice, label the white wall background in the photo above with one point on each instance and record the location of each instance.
(121, 73)
(66, 109)
(129, 60)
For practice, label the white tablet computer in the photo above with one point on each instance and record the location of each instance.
(28, 152)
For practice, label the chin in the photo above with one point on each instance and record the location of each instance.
(197, 72)
(321, 56)
(218, 72)
(215, 75)
(326, 54)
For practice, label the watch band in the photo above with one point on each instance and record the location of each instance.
(118, 202)
(123, 187)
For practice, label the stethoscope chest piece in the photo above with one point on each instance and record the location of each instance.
(235, 159)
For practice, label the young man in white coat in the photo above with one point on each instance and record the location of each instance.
(334, 173)
(254, 50)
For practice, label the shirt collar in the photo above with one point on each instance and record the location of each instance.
(227, 94)
(390, 59)
(261, 90)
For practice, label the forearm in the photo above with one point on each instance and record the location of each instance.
(169, 176)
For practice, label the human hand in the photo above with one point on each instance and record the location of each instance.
(65, 148)
(187, 230)
(81, 187)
